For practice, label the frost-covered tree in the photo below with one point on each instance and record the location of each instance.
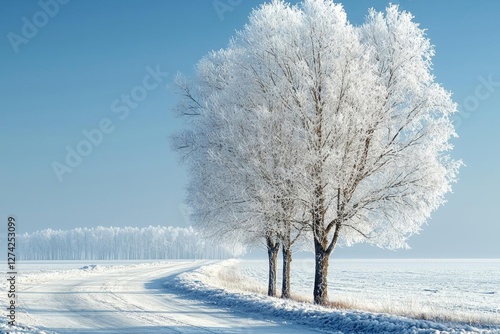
(307, 122)
(239, 164)
(378, 128)
(114, 243)
(234, 189)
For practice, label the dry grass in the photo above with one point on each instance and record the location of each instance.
(411, 309)
(231, 279)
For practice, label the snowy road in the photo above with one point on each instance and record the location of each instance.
(132, 300)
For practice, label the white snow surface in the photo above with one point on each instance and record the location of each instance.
(138, 298)
(181, 297)
(206, 282)
(456, 289)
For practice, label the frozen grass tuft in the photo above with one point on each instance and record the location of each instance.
(231, 279)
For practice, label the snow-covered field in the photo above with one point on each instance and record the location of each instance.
(207, 297)
(467, 290)
(223, 284)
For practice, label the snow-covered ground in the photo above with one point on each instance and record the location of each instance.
(127, 299)
(184, 297)
(467, 290)
(222, 284)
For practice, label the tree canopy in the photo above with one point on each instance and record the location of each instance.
(307, 123)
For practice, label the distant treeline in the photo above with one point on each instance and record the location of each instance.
(115, 243)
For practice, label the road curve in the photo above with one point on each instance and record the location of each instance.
(132, 300)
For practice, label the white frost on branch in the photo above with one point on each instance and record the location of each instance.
(308, 123)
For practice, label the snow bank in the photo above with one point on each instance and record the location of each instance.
(209, 283)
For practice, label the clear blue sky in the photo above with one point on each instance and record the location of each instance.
(64, 79)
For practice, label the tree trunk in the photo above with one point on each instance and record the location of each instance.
(287, 259)
(320, 292)
(272, 253)
(321, 254)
